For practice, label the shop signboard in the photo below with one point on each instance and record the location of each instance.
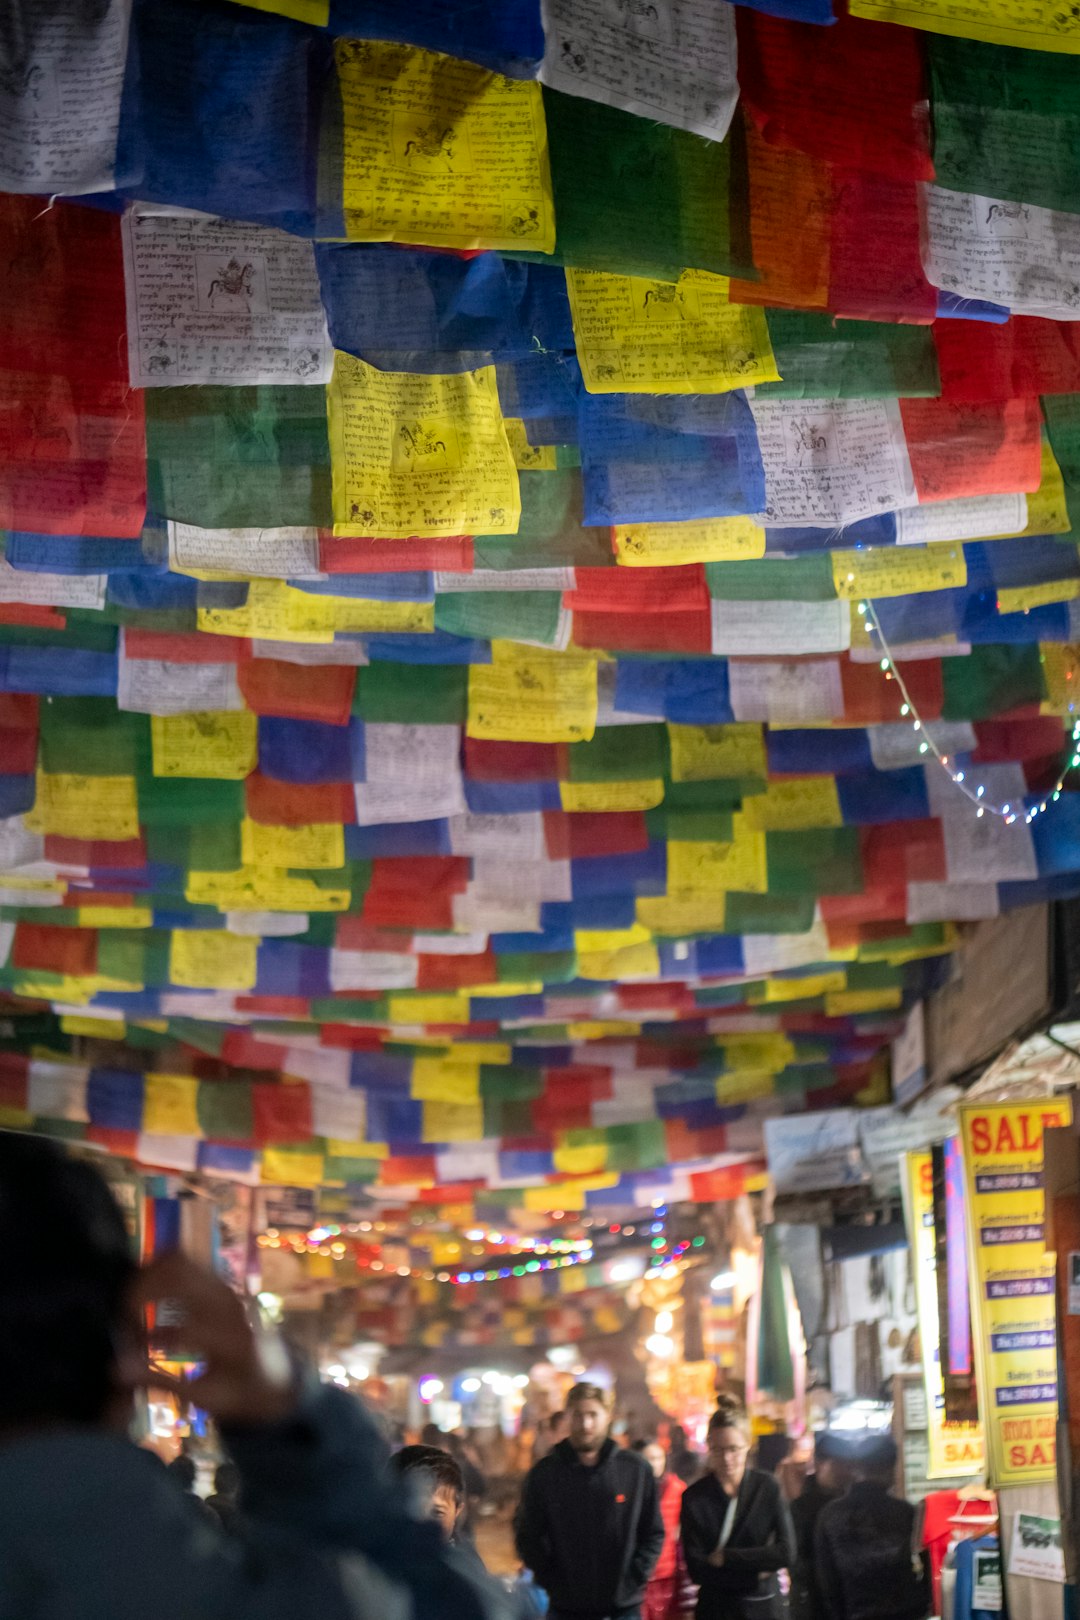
(955, 1449)
(1012, 1283)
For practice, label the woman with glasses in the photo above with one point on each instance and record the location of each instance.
(736, 1528)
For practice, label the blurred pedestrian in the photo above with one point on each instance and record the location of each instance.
(225, 1501)
(439, 1483)
(830, 1479)
(736, 1529)
(589, 1524)
(684, 1461)
(93, 1528)
(867, 1567)
(670, 1592)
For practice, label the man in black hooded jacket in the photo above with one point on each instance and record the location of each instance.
(867, 1568)
(589, 1524)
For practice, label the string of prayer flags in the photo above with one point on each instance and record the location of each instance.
(446, 453)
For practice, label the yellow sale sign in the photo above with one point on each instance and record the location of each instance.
(955, 1449)
(1012, 1283)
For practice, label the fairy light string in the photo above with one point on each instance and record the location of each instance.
(1009, 812)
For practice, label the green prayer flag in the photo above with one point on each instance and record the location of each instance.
(90, 736)
(806, 578)
(822, 358)
(991, 680)
(620, 754)
(406, 694)
(239, 457)
(225, 1111)
(501, 615)
(640, 198)
(823, 860)
(1006, 121)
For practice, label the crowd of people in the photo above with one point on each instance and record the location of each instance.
(313, 1515)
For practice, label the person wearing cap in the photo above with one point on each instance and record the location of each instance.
(866, 1564)
(829, 1480)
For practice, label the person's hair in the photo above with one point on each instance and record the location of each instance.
(227, 1479)
(589, 1392)
(66, 1270)
(556, 1418)
(183, 1471)
(831, 1447)
(432, 1467)
(729, 1414)
(639, 1445)
(876, 1457)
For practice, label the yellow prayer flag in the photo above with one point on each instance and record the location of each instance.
(419, 455)
(579, 1158)
(1047, 510)
(528, 457)
(318, 846)
(77, 806)
(1061, 671)
(285, 1167)
(567, 1194)
(601, 1029)
(800, 987)
(643, 795)
(640, 336)
(102, 1029)
(221, 745)
(611, 939)
(114, 917)
(659, 545)
(743, 1087)
(452, 1122)
(627, 962)
(441, 152)
(170, 1105)
(713, 753)
(445, 1079)
(898, 570)
(767, 1051)
(420, 1007)
(315, 12)
(256, 888)
(527, 694)
(1022, 598)
(792, 806)
(338, 1148)
(1034, 25)
(668, 914)
(211, 959)
(738, 867)
(840, 1003)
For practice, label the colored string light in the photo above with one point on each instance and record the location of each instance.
(976, 793)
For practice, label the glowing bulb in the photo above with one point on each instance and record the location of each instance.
(979, 791)
(979, 812)
(905, 709)
(470, 1386)
(665, 1321)
(658, 1344)
(924, 748)
(722, 1280)
(884, 663)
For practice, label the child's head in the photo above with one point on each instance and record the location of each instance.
(439, 1481)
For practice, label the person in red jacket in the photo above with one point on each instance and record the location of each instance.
(670, 1593)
